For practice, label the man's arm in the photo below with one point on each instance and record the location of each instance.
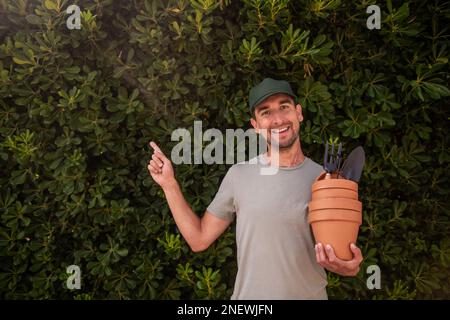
(199, 233)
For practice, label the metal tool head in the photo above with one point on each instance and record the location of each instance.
(354, 164)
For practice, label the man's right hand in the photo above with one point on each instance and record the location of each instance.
(199, 233)
(160, 168)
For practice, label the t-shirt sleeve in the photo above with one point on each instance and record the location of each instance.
(222, 205)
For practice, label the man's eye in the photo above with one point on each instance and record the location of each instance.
(265, 113)
(284, 107)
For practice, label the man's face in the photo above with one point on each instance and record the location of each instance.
(281, 117)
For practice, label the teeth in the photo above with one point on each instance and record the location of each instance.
(280, 130)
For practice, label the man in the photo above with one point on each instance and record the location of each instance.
(276, 255)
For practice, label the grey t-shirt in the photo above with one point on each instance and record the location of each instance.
(275, 246)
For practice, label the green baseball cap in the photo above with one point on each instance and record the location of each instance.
(267, 88)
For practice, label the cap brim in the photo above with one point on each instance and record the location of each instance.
(264, 97)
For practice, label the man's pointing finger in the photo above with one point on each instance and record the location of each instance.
(155, 147)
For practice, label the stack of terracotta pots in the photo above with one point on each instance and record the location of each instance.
(335, 213)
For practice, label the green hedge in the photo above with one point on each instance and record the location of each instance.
(78, 107)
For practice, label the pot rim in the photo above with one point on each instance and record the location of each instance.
(337, 215)
(320, 186)
(335, 203)
(322, 183)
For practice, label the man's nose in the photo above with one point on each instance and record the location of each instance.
(277, 118)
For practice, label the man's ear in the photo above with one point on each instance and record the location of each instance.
(254, 124)
(298, 108)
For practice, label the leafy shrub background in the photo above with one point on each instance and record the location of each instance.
(78, 107)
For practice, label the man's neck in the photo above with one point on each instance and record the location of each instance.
(287, 157)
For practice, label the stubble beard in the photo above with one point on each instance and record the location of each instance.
(283, 145)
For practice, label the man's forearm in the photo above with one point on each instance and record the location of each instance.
(187, 221)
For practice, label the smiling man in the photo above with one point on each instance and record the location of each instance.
(276, 255)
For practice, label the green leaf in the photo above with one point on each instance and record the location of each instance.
(122, 252)
(18, 177)
(21, 61)
(49, 4)
(33, 19)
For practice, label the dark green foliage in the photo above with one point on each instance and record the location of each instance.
(78, 107)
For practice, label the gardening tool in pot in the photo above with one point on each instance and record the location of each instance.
(332, 164)
(339, 159)
(353, 165)
(325, 158)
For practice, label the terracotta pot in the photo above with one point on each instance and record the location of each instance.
(334, 188)
(334, 193)
(335, 213)
(336, 203)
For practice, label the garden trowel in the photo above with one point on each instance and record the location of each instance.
(353, 165)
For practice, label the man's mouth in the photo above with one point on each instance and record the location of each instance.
(280, 130)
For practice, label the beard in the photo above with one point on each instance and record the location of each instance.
(284, 144)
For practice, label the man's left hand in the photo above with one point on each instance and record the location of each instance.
(326, 257)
